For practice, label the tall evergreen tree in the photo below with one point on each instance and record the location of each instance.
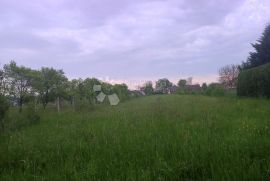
(261, 55)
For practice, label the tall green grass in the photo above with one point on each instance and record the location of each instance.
(166, 137)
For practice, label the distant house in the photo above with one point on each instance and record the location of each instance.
(221, 86)
(170, 90)
(142, 93)
(142, 89)
(173, 89)
(194, 88)
(160, 91)
(216, 84)
(137, 93)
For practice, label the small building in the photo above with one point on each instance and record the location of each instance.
(173, 89)
(194, 88)
(137, 93)
(160, 91)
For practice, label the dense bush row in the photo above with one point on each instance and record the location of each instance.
(215, 90)
(254, 82)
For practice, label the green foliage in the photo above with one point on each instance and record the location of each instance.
(204, 87)
(168, 137)
(17, 121)
(49, 83)
(163, 84)
(83, 105)
(19, 79)
(88, 85)
(77, 89)
(107, 88)
(254, 82)
(182, 83)
(262, 51)
(31, 114)
(4, 106)
(80, 92)
(148, 88)
(61, 86)
(215, 89)
(122, 91)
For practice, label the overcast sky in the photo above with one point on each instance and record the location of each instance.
(131, 40)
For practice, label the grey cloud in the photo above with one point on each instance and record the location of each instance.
(124, 38)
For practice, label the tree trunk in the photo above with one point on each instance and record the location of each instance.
(44, 105)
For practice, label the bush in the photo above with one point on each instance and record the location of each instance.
(31, 114)
(3, 109)
(16, 121)
(215, 89)
(83, 105)
(254, 82)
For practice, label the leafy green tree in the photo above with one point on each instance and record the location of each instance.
(261, 55)
(88, 85)
(79, 88)
(121, 90)
(72, 91)
(19, 80)
(48, 83)
(79, 93)
(107, 88)
(148, 88)
(204, 87)
(61, 88)
(163, 84)
(182, 83)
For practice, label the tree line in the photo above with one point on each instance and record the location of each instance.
(20, 85)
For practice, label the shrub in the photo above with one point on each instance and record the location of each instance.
(83, 105)
(16, 121)
(215, 89)
(31, 114)
(254, 82)
(3, 109)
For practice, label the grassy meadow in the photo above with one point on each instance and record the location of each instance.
(166, 137)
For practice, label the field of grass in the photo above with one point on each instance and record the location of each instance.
(170, 137)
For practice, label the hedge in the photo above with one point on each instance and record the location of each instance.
(215, 89)
(254, 82)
